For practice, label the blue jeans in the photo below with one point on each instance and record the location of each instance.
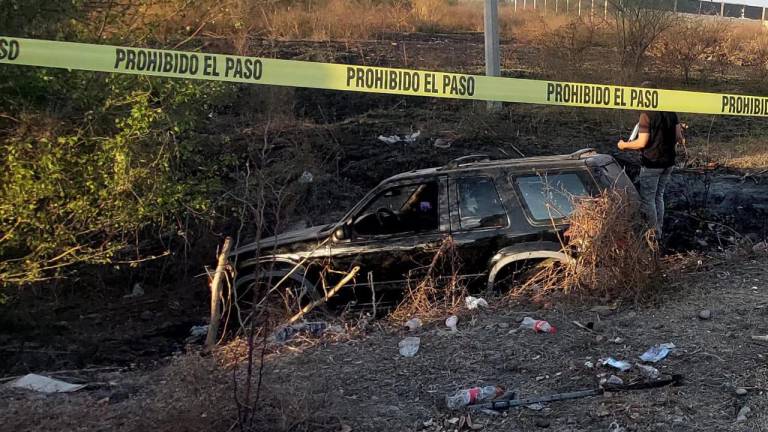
(651, 185)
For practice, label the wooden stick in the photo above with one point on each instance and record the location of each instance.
(213, 327)
(328, 295)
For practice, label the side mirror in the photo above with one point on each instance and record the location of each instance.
(342, 233)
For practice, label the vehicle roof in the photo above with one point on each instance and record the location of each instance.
(522, 164)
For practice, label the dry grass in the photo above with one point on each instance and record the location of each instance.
(749, 153)
(433, 290)
(611, 259)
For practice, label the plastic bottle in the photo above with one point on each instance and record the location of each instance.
(472, 396)
(539, 326)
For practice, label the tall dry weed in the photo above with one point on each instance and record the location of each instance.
(435, 289)
(612, 256)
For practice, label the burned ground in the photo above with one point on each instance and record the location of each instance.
(361, 380)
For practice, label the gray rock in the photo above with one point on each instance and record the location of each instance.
(741, 391)
(705, 314)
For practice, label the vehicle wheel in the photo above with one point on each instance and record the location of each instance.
(520, 272)
(268, 304)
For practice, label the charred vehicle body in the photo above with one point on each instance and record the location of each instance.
(503, 215)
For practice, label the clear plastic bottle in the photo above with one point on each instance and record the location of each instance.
(472, 396)
(539, 326)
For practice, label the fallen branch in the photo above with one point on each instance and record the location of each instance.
(213, 328)
(327, 296)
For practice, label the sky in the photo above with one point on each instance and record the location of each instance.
(760, 3)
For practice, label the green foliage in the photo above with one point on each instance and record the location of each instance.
(84, 192)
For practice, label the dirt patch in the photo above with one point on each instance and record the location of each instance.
(372, 385)
(364, 383)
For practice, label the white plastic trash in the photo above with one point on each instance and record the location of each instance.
(409, 346)
(44, 384)
(657, 353)
(413, 324)
(475, 302)
(451, 322)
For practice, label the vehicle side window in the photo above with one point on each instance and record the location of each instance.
(479, 204)
(551, 196)
(401, 209)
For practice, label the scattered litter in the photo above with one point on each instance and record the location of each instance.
(589, 365)
(394, 139)
(743, 414)
(428, 423)
(741, 391)
(613, 380)
(538, 406)
(198, 331)
(443, 143)
(285, 333)
(539, 326)
(472, 396)
(617, 340)
(409, 346)
(306, 177)
(705, 314)
(657, 353)
(453, 420)
(475, 302)
(451, 322)
(618, 364)
(760, 338)
(44, 384)
(760, 247)
(137, 291)
(413, 324)
(648, 371)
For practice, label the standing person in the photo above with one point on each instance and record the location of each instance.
(659, 132)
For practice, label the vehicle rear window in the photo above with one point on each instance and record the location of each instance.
(479, 204)
(551, 196)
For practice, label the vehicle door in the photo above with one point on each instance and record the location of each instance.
(396, 231)
(479, 219)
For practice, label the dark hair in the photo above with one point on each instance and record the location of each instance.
(648, 84)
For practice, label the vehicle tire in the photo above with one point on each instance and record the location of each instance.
(519, 272)
(270, 305)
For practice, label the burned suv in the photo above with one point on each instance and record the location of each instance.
(501, 214)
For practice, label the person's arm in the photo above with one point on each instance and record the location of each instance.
(640, 143)
(643, 138)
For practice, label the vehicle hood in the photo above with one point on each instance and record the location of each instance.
(316, 233)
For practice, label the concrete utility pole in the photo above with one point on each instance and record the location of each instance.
(675, 6)
(722, 8)
(492, 55)
(605, 10)
(763, 19)
(579, 7)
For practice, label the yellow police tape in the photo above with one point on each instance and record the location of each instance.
(252, 70)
